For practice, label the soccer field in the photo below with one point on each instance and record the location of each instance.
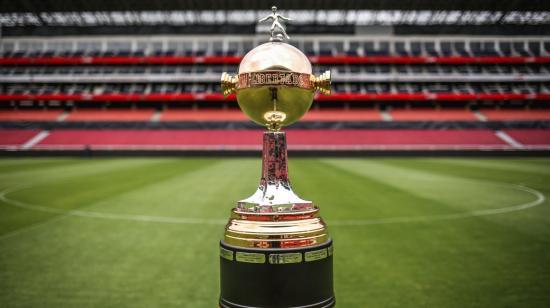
(144, 232)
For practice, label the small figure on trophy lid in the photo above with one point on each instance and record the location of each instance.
(276, 25)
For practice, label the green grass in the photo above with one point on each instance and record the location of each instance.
(49, 258)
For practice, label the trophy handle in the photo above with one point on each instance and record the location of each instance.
(322, 83)
(229, 84)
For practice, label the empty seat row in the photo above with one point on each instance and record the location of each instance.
(434, 48)
(439, 48)
(465, 69)
(234, 114)
(207, 88)
(458, 88)
(96, 89)
(115, 53)
(119, 69)
(428, 139)
(490, 69)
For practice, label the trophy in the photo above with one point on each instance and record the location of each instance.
(276, 251)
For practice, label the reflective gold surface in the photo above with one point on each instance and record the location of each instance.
(276, 234)
(275, 56)
(275, 104)
(229, 84)
(322, 83)
(292, 102)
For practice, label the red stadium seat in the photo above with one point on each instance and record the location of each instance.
(202, 115)
(424, 114)
(16, 137)
(298, 139)
(343, 115)
(530, 136)
(29, 115)
(152, 138)
(237, 115)
(111, 115)
(516, 114)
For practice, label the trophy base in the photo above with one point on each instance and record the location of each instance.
(291, 277)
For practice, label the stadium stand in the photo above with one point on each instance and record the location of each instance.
(333, 114)
(248, 139)
(136, 139)
(424, 114)
(202, 115)
(29, 115)
(110, 115)
(13, 139)
(531, 137)
(516, 114)
(436, 90)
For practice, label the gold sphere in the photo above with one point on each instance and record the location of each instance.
(275, 105)
(275, 55)
(275, 85)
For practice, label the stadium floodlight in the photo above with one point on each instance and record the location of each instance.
(276, 251)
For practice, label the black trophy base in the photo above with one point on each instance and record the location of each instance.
(276, 278)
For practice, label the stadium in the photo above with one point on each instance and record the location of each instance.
(121, 158)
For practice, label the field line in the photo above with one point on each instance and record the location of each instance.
(30, 227)
(540, 198)
(113, 216)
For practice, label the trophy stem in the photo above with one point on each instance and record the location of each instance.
(274, 194)
(274, 159)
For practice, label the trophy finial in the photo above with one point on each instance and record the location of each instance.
(277, 30)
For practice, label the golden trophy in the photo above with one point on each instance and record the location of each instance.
(276, 251)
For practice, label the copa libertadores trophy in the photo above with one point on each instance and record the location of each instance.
(276, 251)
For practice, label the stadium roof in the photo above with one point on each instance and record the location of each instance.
(55, 17)
(124, 5)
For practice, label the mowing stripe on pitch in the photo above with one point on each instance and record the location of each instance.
(540, 198)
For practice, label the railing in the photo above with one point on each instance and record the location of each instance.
(334, 97)
(133, 60)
